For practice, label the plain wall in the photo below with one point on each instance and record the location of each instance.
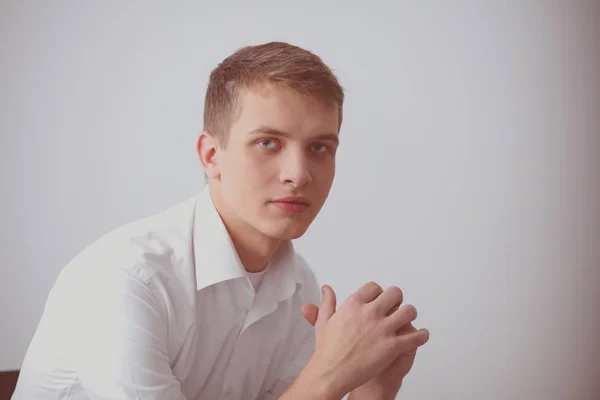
(468, 173)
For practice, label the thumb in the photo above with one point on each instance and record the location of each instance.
(310, 312)
(327, 308)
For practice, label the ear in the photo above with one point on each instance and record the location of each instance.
(207, 153)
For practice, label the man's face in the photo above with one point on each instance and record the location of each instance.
(278, 165)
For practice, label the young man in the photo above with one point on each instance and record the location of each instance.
(208, 299)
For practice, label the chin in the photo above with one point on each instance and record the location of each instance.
(286, 231)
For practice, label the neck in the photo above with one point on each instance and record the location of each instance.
(254, 248)
(254, 252)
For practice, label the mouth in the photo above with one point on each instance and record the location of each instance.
(292, 204)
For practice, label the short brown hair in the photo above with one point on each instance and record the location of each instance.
(275, 62)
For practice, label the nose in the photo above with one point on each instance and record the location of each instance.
(295, 169)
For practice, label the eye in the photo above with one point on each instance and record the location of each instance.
(267, 144)
(319, 147)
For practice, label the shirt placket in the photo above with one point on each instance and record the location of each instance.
(230, 388)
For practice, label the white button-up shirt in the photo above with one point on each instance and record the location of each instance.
(163, 309)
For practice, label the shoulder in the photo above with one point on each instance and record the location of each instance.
(145, 249)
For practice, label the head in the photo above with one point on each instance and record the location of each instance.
(271, 131)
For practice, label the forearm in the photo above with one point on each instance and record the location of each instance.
(366, 392)
(306, 393)
(313, 384)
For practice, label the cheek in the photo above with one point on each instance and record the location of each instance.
(323, 175)
(260, 166)
(249, 171)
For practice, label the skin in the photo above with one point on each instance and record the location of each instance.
(364, 348)
(388, 382)
(284, 144)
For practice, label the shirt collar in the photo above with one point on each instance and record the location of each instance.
(216, 258)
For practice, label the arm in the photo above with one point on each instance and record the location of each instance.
(295, 380)
(122, 341)
(356, 344)
(364, 393)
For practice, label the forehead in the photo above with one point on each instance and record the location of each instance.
(284, 109)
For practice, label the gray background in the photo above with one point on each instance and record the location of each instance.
(468, 175)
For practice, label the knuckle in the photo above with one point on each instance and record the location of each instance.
(396, 290)
(353, 300)
(421, 339)
(370, 313)
(412, 341)
(397, 293)
(411, 311)
(374, 286)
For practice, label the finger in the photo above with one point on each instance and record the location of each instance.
(310, 312)
(408, 343)
(327, 307)
(412, 352)
(368, 292)
(406, 328)
(401, 317)
(391, 298)
(395, 308)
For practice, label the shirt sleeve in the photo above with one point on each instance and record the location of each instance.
(122, 341)
(294, 367)
(303, 343)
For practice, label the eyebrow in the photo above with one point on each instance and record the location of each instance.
(266, 130)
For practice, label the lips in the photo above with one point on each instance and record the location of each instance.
(293, 204)
(294, 200)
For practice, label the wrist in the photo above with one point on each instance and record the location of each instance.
(305, 387)
(370, 391)
(317, 382)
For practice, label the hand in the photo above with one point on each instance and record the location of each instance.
(361, 342)
(387, 384)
